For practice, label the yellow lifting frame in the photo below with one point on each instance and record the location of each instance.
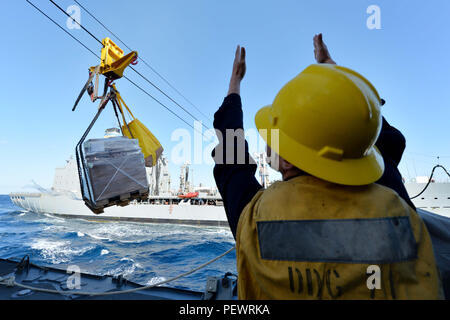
(112, 65)
(113, 62)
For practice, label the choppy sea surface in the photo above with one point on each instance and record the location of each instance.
(142, 252)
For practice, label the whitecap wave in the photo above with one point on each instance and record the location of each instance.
(53, 217)
(54, 228)
(58, 251)
(123, 270)
(97, 237)
(155, 280)
(136, 264)
(127, 259)
(125, 233)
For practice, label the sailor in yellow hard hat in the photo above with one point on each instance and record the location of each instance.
(327, 231)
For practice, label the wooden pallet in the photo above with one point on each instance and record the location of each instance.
(122, 200)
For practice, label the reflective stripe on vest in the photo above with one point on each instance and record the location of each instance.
(375, 241)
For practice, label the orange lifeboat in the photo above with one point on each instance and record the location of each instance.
(188, 195)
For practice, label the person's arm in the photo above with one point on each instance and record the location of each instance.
(391, 142)
(236, 182)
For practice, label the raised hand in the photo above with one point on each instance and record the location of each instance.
(321, 53)
(238, 73)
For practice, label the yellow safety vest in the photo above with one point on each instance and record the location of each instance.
(310, 239)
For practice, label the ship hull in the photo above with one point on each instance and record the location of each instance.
(435, 198)
(67, 207)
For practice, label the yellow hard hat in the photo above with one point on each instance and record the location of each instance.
(328, 120)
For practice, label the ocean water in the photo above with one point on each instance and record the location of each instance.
(142, 252)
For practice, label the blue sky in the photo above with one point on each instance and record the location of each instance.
(192, 44)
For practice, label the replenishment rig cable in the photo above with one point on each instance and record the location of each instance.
(142, 59)
(132, 82)
(430, 180)
(137, 72)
